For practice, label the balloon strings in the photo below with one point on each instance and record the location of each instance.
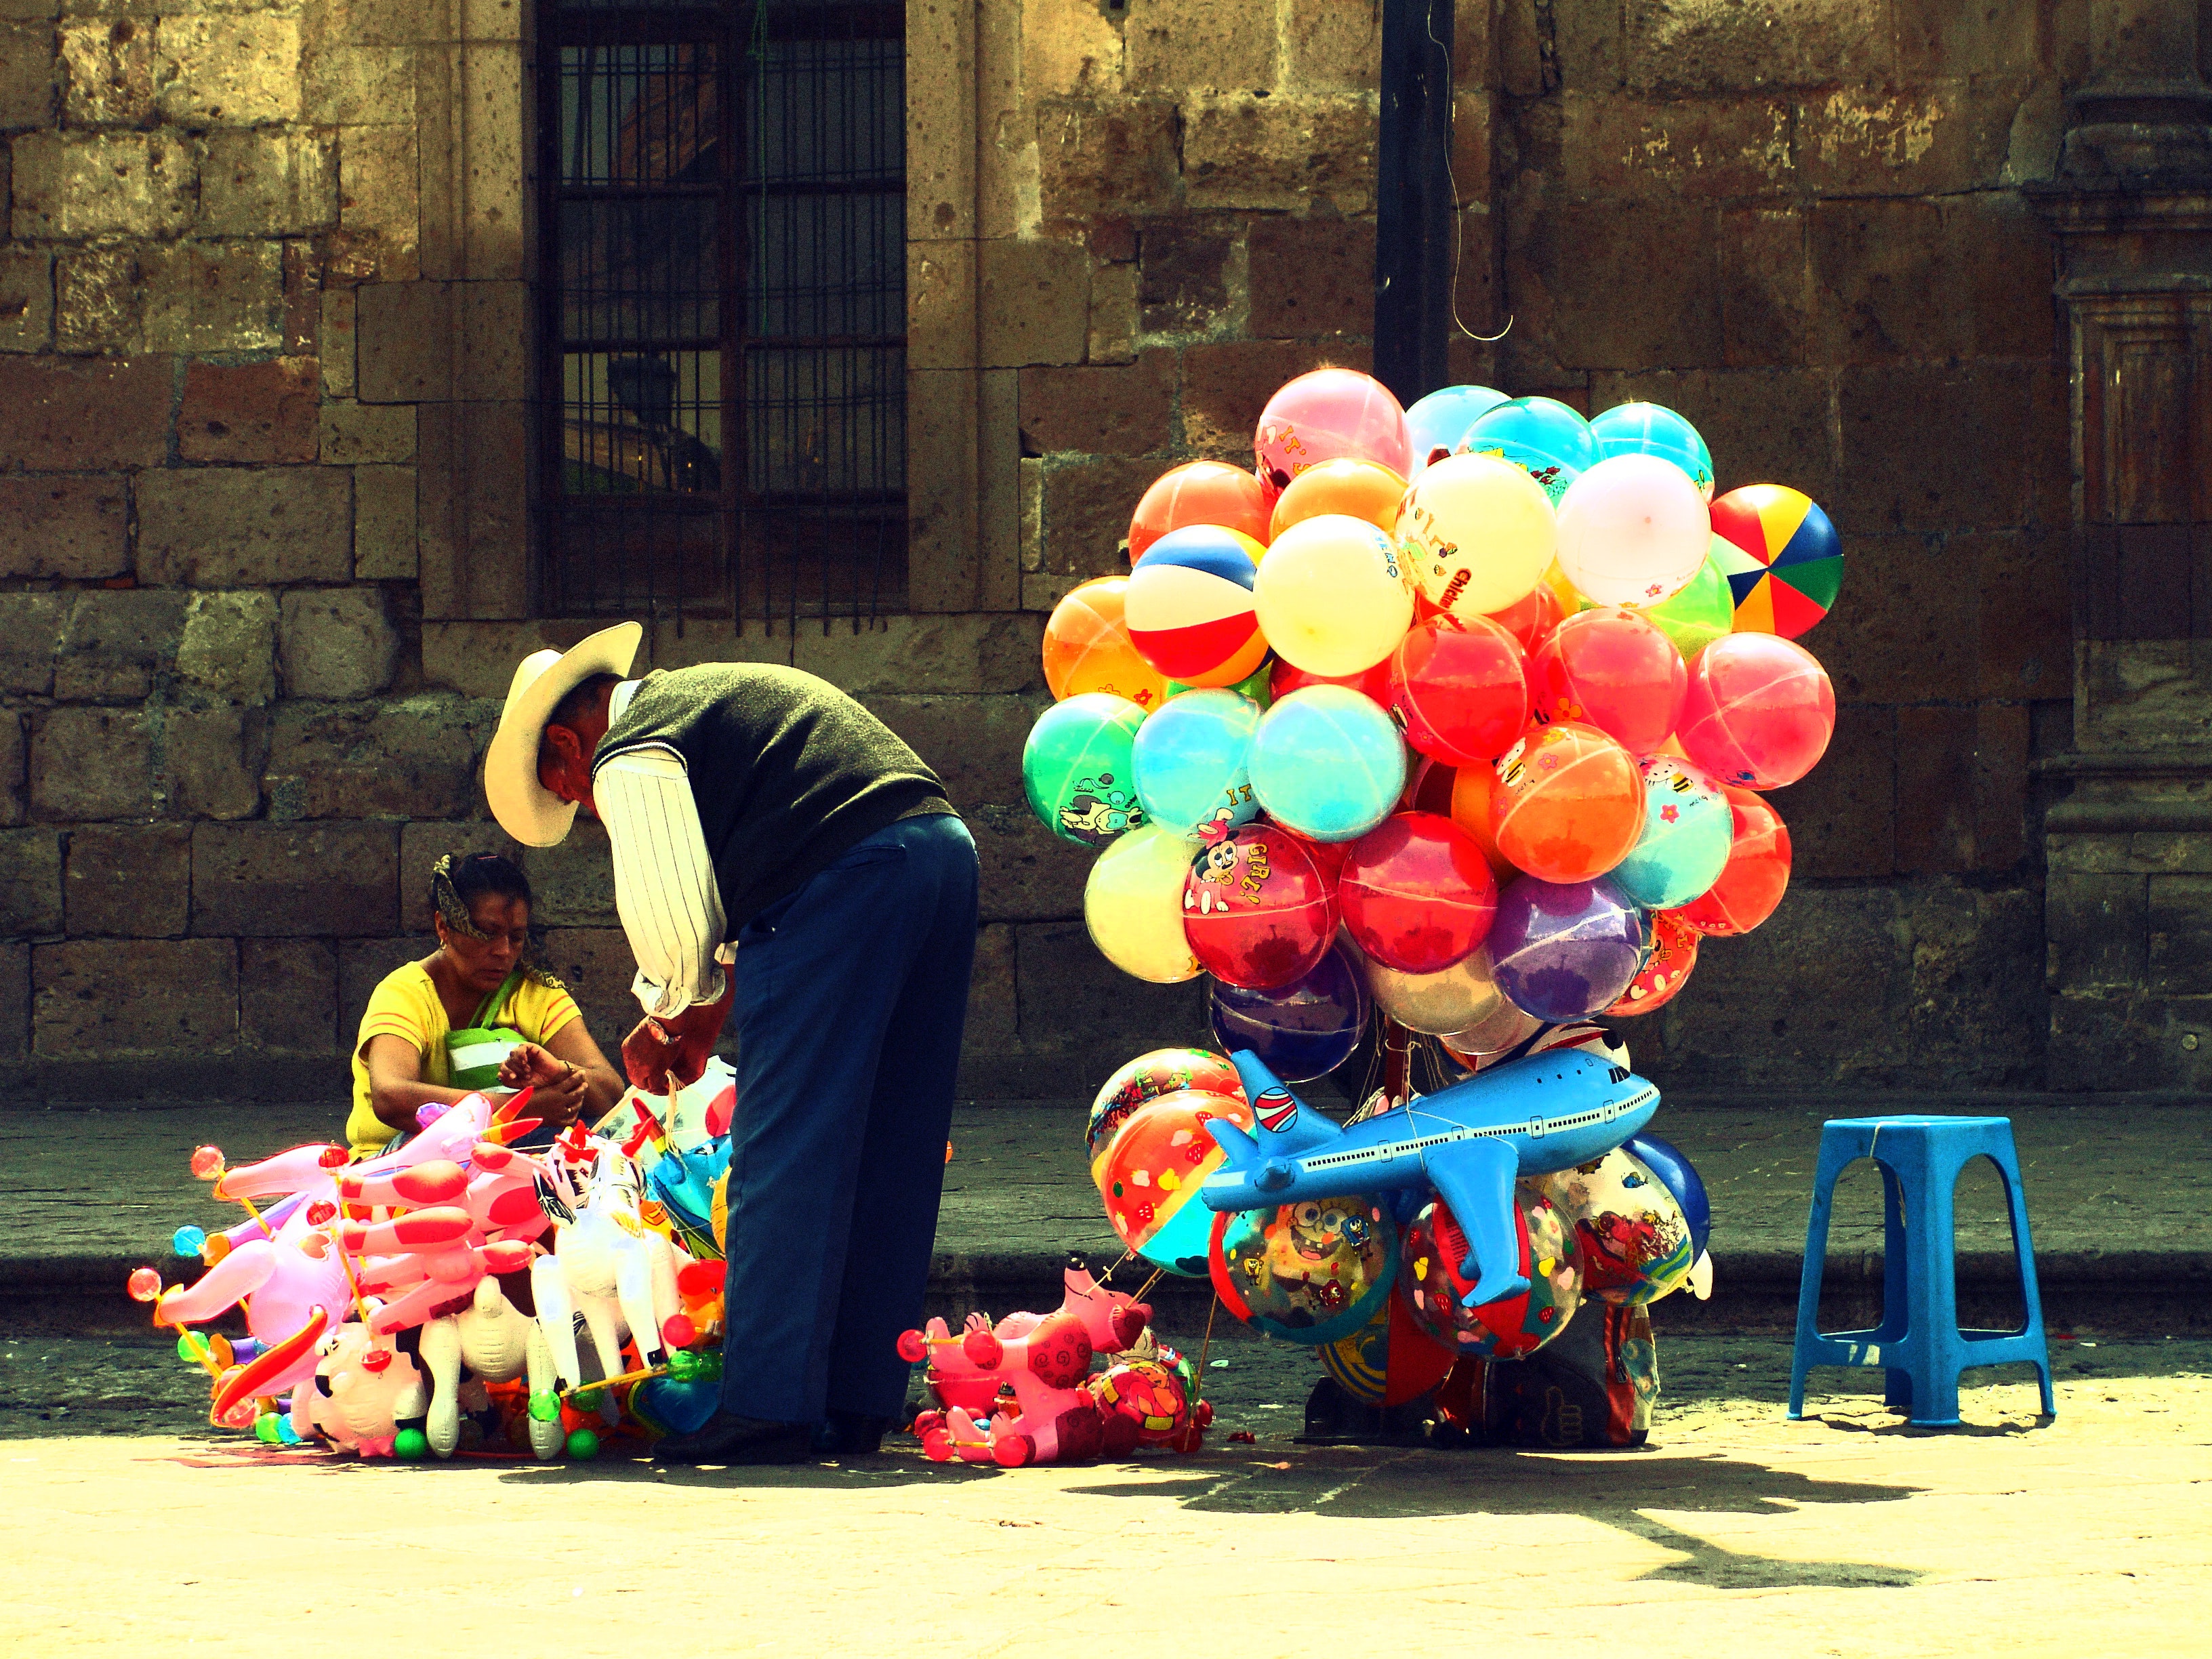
(1157, 1272)
(1459, 217)
(1107, 1277)
(1205, 1348)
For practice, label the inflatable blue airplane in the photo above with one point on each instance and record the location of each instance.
(1470, 1142)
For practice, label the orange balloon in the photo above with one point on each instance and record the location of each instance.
(1198, 492)
(1569, 803)
(1087, 647)
(1356, 488)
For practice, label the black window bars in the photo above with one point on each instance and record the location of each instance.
(722, 316)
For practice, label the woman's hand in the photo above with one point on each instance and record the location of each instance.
(558, 1102)
(528, 1066)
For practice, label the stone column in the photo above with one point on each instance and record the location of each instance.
(2128, 917)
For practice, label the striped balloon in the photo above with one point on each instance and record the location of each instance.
(1189, 606)
(1782, 558)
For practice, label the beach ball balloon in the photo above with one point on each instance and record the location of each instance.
(1416, 893)
(1087, 647)
(1632, 530)
(1460, 686)
(1612, 669)
(1759, 711)
(1478, 534)
(1665, 971)
(1373, 684)
(1703, 611)
(1148, 1078)
(1078, 768)
(1565, 950)
(1302, 1031)
(1440, 420)
(1688, 828)
(1327, 763)
(1542, 436)
(1189, 605)
(1329, 413)
(1451, 999)
(1348, 486)
(1569, 803)
(1155, 1165)
(1388, 1361)
(1633, 1235)
(1190, 761)
(1259, 911)
(1199, 493)
(1757, 874)
(1332, 594)
(1682, 1181)
(1783, 561)
(1310, 1271)
(1132, 905)
(1638, 428)
(1435, 1278)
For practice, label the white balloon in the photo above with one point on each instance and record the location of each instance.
(1633, 530)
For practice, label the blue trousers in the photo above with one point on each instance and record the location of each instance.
(851, 995)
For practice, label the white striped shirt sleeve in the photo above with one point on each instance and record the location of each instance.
(664, 887)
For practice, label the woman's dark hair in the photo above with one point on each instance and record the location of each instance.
(458, 882)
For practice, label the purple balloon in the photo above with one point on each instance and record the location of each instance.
(1302, 1031)
(1565, 950)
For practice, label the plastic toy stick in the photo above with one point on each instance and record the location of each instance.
(617, 1381)
(345, 1265)
(202, 1350)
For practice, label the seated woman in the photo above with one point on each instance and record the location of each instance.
(480, 976)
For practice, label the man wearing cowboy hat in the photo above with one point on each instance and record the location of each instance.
(777, 851)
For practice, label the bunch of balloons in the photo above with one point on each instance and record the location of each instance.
(1466, 712)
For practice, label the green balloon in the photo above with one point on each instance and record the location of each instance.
(1080, 768)
(1257, 685)
(545, 1406)
(583, 1445)
(1701, 612)
(411, 1444)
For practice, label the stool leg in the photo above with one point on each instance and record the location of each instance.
(2023, 1249)
(1895, 1322)
(1808, 1279)
(1935, 1351)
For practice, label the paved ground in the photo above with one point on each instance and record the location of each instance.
(1849, 1534)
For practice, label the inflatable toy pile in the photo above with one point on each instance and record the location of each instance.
(1460, 722)
(375, 1319)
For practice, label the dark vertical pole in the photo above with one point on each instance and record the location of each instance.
(1414, 213)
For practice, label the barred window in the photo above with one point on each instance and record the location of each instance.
(723, 317)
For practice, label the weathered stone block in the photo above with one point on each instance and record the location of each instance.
(263, 411)
(70, 185)
(266, 182)
(1185, 267)
(2026, 612)
(1225, 387)
(2098, 926)
(1308, 276)
(1281, 154)
(227, 527)
(597, 966)
(574, 882)
(98, 303)
(129, 881)
(1075, 1004)
(66, 415)
(1935, 775)
(228, 646)
(1100, 410)
(240, 69)
(940, 304)
(1631, 284)
(294, 881)
(2179, 915)
(362, 964)
(1841, 816)
(27, 298)
(360, 85)
(1112, 314)
(12, 757)
(336, 337)
(435, 342)
(994, 1023)
(336, 643)
(2141, 694)
(1688, 45)
(472, 502)
(2003, 743)
(108, 68)
(213, 296)
(1934, 447)
(134, 999)
(30, 882)
(210, 763)
(30, 636)
(1915, 625)
(1106, 155)
(1086, 513)
(1979, 1006)
(288, 993)
(26, 75)
(1033, 299)
(413, 757)
(1877, 139)
(1763, 276)
(1613, 147)
(384, 540)
(15, 1001)
(1874, 264)
(1329, 47)
(1193, 46)
(71, 528)
(115, 643)
(980, 652)
(89, 763)
(355, 432)
(380, 198)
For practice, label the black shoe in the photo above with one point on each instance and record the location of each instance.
(853, 1434)
(739, 1442)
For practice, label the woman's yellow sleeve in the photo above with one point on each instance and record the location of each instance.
(394, 1011)
(542, 1010)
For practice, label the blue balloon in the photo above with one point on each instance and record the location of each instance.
(188, 1240)
(1192, 760)
(1565, 950)
(1542, 436)
(1637, 428)
(1327, 763)
(1680, 1176)
(1302, 1032)
(1440, 420)
(1688, 828)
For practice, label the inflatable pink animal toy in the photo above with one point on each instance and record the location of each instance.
(352, 1400)
(1111, 1319)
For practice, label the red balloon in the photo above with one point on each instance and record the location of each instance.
(1665, 972)
(1613, 670)
(1531, 620)
(1199, 492)
(1756, 875)
(1258, 909)
(1287, 677)
(1329, 855)
(1417, 893)
(1460, 687)
(1758, 711)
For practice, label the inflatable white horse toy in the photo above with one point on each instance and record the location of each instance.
(491, 1341)
(608, 1266)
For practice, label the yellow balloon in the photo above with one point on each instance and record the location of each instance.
(1332, 594)
(1478, 533)
(1133, 904)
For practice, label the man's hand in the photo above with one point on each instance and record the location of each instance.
(677, 1046)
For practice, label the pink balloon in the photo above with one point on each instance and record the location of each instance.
(1613, 670)
(1759, 711)
(1329, 413)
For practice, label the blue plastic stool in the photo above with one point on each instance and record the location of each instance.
(1919, 1345)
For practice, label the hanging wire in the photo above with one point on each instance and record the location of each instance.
(1459, 219)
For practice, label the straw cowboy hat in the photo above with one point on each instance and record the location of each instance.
(526, 808)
